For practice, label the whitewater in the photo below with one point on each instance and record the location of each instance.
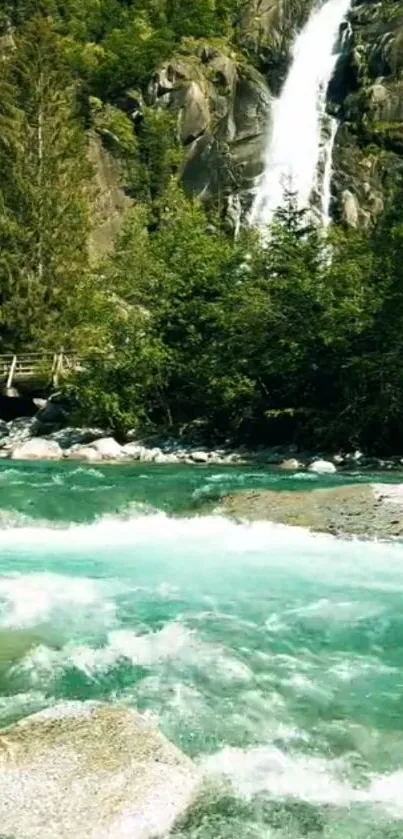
(297, 142)
(271, 655)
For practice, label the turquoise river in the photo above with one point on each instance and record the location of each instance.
(272, 656)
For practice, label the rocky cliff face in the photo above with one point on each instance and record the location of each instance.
(110, 200)
(223, 101)
(367, 96)
(222, 105)
(222, 95)
(267, 31)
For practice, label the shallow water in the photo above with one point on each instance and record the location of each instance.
(272, 656)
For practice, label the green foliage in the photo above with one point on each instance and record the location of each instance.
(43, 191)
(115, 44)
(298, 339)
(301, 338)
(159, 152)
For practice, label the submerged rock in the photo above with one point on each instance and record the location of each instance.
(90, 771)
(37, 449)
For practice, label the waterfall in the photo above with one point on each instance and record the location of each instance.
(295, 138)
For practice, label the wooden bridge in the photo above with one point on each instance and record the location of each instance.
(35, 368)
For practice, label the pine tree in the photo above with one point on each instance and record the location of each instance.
(44, 194)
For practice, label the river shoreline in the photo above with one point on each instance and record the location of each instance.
(29, 438)
(358, 508)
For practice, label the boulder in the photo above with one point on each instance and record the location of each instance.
(22, 429)
(350, 208)
(199, 457)
(290, 465)
(322, 467)
(85, 453)
(338, 459)
(69, 437)
(51, 411)
(133, 451)
(234, 457)
(40, 403)
(90, 771)
(149, 455)
(166, 458)
(108, 448)
(37, 449)
(216, 460)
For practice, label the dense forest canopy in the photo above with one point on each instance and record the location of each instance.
(300, 339)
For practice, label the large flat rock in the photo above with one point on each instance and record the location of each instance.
(364, 510)
(90, 771)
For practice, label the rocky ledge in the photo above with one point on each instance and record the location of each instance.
(364, 510)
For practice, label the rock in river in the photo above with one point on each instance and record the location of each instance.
(90, 771)
(323, 467)
(37, 449)
(108, 448)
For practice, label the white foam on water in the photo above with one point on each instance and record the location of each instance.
(147, 649)
(293, 775)
(22, 704)
(27, 600)
(88, 471)
(157, 528)
(174, 644)
(335, 612)
(211, 548)
(205, 534)
(350, 668)
(121, 645)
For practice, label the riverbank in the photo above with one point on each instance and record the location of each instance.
(33, 438)
(373, 511)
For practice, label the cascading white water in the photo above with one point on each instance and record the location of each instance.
(294, 142)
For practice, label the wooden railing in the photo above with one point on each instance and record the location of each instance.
(46, 366)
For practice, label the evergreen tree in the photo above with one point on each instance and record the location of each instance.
(44, 210)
